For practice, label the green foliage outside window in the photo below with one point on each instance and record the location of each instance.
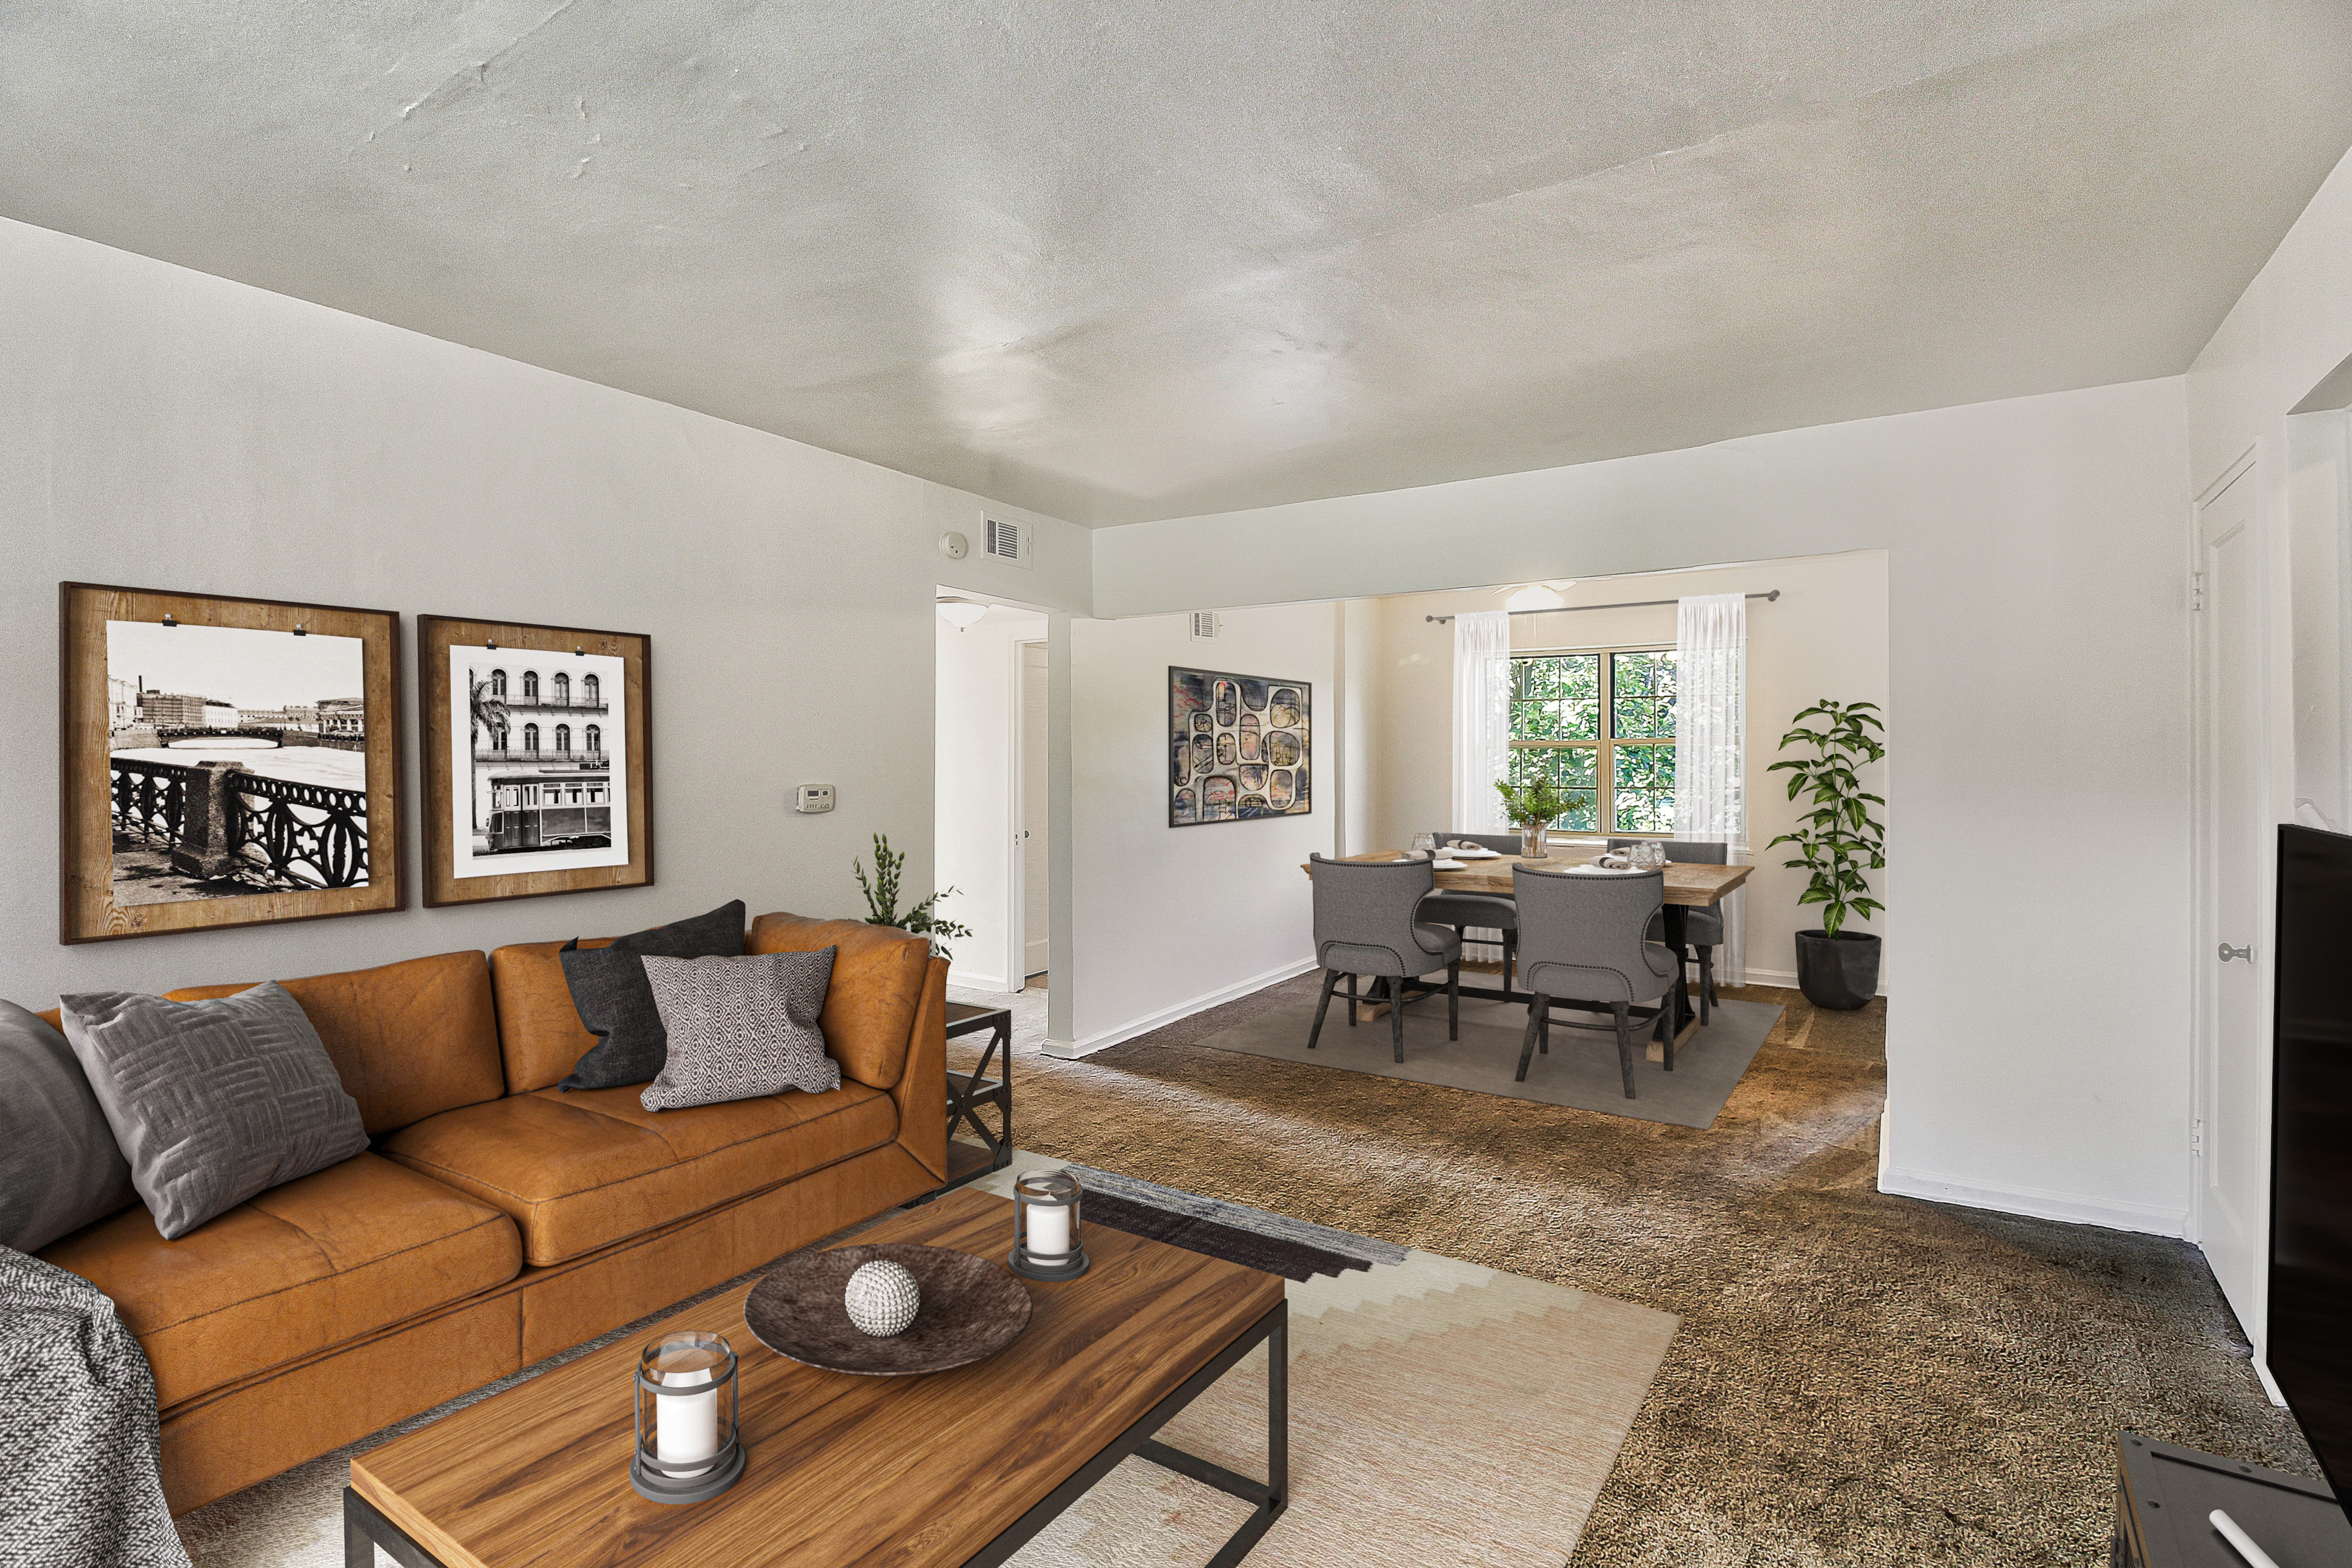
(1601, 726)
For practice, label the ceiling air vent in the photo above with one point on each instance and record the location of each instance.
(1007, 543)
(1204, 626)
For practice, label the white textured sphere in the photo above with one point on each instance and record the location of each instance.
(882, 1298)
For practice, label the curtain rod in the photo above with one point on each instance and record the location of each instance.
(1628, 604)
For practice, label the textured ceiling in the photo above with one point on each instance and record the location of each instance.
(1127, 261)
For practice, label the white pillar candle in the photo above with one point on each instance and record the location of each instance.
(685, 1426)
(1049, 1230)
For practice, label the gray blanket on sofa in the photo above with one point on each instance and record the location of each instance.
(79, 1486)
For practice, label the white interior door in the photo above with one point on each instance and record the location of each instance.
(2234, 1092)
(1035, 889)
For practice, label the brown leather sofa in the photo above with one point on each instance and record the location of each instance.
(496, 1221)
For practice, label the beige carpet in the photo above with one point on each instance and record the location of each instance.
(1859, 1379)
(1516, 1392)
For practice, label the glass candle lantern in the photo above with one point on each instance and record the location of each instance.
(687, 1445)
(1047, 1244)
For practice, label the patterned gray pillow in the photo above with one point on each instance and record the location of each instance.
(741, 1027)
(213, 1102)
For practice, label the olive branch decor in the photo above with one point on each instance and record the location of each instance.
(882, 899)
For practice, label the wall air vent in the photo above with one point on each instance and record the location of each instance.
(1205, 626)
(1008, 541)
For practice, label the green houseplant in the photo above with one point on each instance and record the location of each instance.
(882, 899)
(1534, 807)
(1837, 840)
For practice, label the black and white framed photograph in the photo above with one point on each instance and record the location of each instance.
(227, 762)
(537, 760)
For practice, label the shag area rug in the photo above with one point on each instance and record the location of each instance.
(1858, 1380)
(1441, 1412)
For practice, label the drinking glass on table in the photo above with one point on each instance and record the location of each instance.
(1425, 843)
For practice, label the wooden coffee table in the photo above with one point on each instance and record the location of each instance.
(957, 1467)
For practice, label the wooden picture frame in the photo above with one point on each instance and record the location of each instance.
(545, 776)
(1241, 760)
(285, 804)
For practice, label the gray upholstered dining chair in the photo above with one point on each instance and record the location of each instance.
(1490, 911)
(1702, 928)
(1584, 936)
(1365, 925)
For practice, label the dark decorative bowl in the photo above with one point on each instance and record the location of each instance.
(972, 1309)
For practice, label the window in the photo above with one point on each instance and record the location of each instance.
(1601, 724)
(499, 738)
(530, 686)
(531, 737)
(498, 683)
(596, 736)
(590, 690)
(563, 737)
(564, 691)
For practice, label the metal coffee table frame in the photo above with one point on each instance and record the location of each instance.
(366, 1529)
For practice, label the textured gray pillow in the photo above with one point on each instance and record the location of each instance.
(608, 990)
(213, 1102)
(59, 1169)
(741, 1027)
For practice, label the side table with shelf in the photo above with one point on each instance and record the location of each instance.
(969, 1093)
(2164, 1492)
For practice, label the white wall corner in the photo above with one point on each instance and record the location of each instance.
(1071, 1049)
(2036, 1203)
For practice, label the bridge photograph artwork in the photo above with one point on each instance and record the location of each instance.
(237, 760)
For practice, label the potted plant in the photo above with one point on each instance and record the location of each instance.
(1532, 808)
(882, 899)
(1838, 841)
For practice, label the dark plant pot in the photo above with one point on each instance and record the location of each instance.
(1838, 972)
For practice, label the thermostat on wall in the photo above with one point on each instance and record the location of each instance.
(813, 798)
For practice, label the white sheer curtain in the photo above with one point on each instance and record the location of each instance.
(1482, 720)
(1711, 748)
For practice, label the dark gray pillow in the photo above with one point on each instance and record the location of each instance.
(741, 1027)
(59, 1169)
(213, 1102)
(608, 988)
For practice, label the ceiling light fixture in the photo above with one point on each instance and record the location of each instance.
(961, 613)
(1535, 597)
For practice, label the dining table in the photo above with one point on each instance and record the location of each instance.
(1689, 885)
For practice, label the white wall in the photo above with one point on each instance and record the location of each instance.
(1826, 637)
(2037, 667)
(974, 850)
(1171, 919)
(166, 429)
(2286, 344)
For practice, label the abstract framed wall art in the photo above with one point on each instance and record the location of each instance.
(1239, 747)
(537, 770)
(223, 762)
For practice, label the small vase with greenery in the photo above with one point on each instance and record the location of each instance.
(1534, 807)
(1836, 841)
(882, 899)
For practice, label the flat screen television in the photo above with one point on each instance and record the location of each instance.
(2310, 1352)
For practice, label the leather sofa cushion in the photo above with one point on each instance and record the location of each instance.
(879, 975)
(329, 1257)
(580, 1170)
(541, 1036)
(408, 1040)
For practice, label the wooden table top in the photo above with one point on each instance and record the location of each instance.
(914, 1471)
(1693, 885)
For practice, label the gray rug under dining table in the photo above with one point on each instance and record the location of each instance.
(1580, 1071)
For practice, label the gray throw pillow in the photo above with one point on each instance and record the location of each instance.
(213, 1102)
(59, 1169)
(609, 991)
(741, 1027)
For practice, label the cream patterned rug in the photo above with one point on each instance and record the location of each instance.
(1441, 1413)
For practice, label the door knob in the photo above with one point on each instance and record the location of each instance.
(2229, 953)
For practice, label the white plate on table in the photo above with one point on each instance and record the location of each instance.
(1449, 866)
(1477, 854)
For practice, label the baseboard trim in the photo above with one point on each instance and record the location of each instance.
(1786, 979)
(1070, 1050)
(2038, 1203)
(971, 982)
